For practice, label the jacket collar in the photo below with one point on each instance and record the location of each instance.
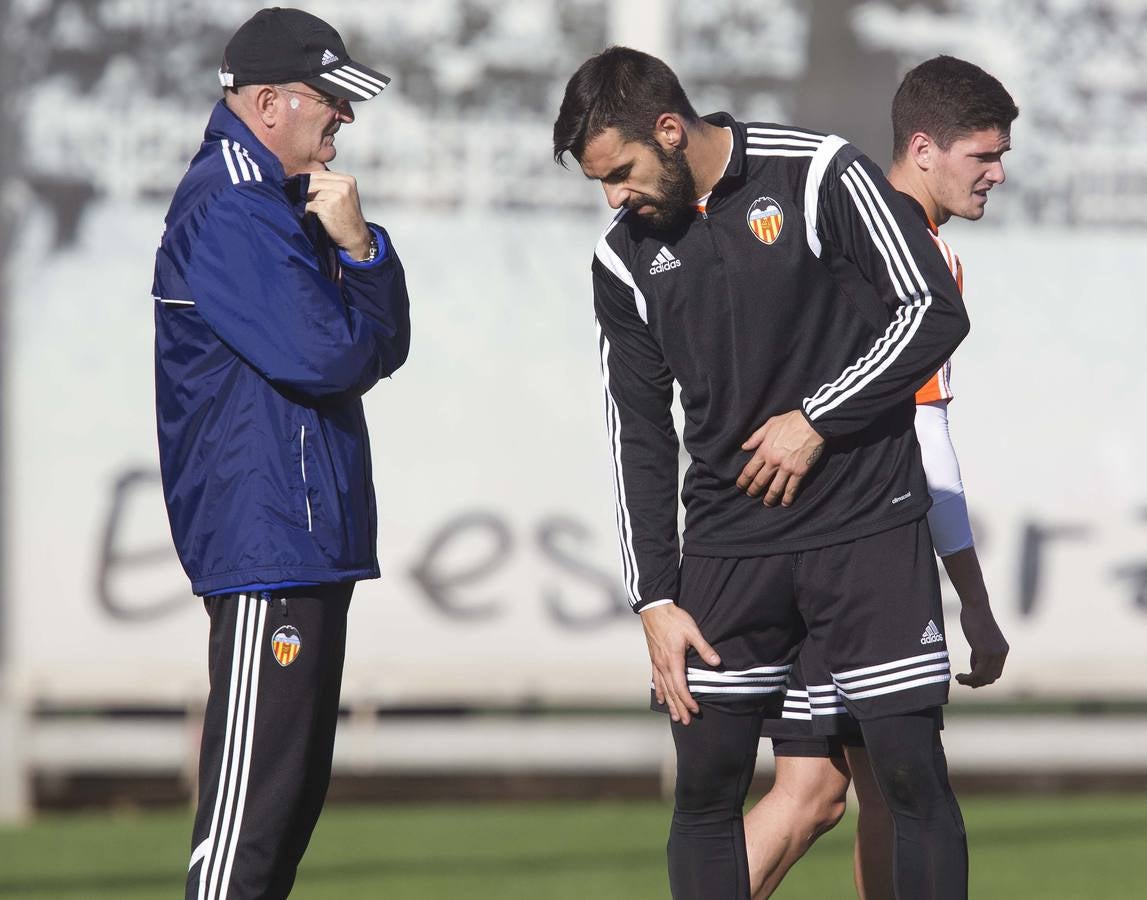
(224, 124)
(918, 208)
(736, 166)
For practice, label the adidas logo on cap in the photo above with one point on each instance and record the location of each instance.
(931, 634)
(329, 58)
(663, 262)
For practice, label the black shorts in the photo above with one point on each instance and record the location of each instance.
(865, 615)
(821, 747)
(793, 732)
(794, 721)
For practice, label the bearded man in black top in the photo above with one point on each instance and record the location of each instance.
(777, 278)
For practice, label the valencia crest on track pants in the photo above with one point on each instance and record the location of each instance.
(275, 662)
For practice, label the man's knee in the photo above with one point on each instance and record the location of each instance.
(816, 788)
(821, 811)
(908, 763)
(715, 762)
(827, 814)
(712, 789)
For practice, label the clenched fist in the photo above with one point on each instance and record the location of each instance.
(333, 197)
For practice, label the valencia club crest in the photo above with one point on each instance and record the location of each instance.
(286, 644)
(765, 219)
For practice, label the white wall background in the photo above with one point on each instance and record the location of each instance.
(491, 437)
(495, 423)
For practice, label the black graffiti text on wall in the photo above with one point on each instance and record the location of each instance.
(463, 569)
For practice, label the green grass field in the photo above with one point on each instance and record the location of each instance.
(1091, 847)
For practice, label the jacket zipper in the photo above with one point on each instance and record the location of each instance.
(709, 231)
(303, 466)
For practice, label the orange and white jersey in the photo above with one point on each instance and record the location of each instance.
(939, 386)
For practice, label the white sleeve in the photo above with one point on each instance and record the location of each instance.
(948, 517)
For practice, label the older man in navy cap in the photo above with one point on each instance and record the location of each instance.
(277, 306)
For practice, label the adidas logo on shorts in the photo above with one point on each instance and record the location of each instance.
(931, 634)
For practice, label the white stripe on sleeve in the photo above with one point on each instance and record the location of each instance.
(612, 261)
(824, 155)
(624, 525)
(910, 287)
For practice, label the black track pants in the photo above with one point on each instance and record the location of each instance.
(275, 662)
(716, 755)
(931, 850)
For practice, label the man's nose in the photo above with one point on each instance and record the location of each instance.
(615, 195)
(996, 174)
(345, 111)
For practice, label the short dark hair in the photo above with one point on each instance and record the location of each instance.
(947, 99)
(619, 88)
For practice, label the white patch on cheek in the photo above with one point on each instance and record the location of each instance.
(294, 103)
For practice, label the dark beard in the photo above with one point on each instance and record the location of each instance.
(676, 189)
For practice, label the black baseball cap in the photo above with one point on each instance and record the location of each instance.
(280, 45)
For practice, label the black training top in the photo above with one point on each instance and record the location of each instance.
(806, 283)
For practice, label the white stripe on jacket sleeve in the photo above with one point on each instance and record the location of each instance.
(911, 289)
(624, 525)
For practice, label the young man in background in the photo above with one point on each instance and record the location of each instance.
(951, 126)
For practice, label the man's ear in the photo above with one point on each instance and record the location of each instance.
(922, 151)
(669, 132)
(267, 104)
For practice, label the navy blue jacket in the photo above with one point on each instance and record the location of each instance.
(266, 337)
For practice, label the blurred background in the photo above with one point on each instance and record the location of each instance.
(495, 740)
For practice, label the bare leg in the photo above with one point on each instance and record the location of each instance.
(807, 799)
(872, 858)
